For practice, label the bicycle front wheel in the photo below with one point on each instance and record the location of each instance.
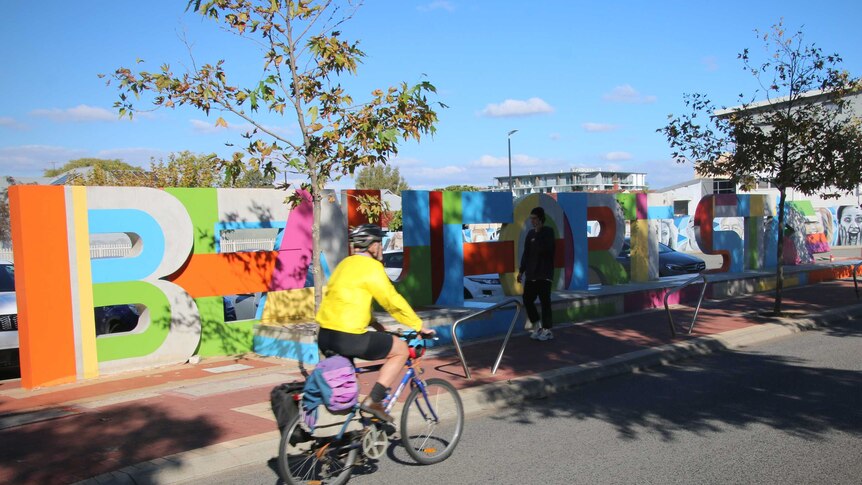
(308, 459)
(432, 422)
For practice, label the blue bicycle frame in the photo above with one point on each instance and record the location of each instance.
(392, 399)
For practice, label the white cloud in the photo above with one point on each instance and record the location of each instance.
(32, 160)
(628, 94)
(617, 156)
(598, 127)
(664, 173)
(78, 114)
(133, 155)
(209, 127)
(437, 5)
(11, 123)
(516, 107)
(438, 173)
(710, 63)
(490, 161)
(406, 162)
(206, 127)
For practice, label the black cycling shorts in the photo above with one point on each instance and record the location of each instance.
(367, 346)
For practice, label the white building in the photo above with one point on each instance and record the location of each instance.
(574, 180)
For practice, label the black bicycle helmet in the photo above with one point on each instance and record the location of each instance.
(366, 235)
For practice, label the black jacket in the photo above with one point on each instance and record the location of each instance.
(537, 260)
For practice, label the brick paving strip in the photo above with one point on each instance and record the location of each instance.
(184, 422)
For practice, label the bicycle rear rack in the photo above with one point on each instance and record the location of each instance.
(701, 276)
(519, 306)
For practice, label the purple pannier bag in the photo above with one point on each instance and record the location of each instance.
(339, 374)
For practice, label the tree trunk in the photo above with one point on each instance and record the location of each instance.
(779, 271)
(316, 268)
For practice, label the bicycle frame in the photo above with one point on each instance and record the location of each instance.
(410, 376)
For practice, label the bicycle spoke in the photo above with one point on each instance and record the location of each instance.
(314, 460)
(426, 438)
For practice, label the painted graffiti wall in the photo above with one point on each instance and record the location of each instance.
(179, 275)
(176, 273)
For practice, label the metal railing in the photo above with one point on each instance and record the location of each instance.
(519, 306)
(855, 282)
(702, 277)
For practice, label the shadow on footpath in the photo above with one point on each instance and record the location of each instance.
(784, 393)
(77, 447)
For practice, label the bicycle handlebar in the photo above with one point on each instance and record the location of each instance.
(411, 335)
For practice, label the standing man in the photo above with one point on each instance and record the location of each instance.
(536, 272)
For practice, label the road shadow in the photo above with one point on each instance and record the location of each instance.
(740, 389)
(79, 446)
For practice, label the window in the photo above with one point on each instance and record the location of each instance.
(680, 207)
(723, 187)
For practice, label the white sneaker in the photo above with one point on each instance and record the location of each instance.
(535, 333)
(545, 334)
(528, 325)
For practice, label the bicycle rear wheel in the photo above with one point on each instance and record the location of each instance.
(308, 459)
(431, 424)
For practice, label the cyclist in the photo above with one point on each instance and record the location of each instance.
(345, 314)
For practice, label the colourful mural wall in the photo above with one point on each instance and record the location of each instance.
(179, 274)
(176, 272)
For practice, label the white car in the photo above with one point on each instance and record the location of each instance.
(475, 286)
(8, 316)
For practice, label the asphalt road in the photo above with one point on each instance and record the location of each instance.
(785, 412)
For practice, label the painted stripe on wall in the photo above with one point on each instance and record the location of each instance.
(43, 284)
(82, 301)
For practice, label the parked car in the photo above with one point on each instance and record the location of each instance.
(8, 316)
(241, 307)
(116, 318)
(475, 286)
(671, 262)
(109, 319)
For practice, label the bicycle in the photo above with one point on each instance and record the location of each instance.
(431, 423)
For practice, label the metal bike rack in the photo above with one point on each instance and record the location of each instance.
(855, 282)
(519, 306)
(702, 277)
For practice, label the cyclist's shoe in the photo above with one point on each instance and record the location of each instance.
(545, 334)
(376, 409)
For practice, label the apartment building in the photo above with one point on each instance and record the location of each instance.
(574, 180)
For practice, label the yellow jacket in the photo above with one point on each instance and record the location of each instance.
(346, 305)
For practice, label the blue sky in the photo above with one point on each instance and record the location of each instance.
(585, 84)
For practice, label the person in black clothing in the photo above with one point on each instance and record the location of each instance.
(537, 272)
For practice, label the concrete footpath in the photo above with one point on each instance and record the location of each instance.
(191, 421)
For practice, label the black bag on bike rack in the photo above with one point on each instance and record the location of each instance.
(284, 400)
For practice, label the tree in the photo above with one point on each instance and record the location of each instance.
(185, 169)
(251, 179)
(381, 177)
(396, 222)
(304, 59)
(112, 165)
(5, 224)
(461, 188)
(803, 136)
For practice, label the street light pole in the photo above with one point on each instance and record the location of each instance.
(509, 138)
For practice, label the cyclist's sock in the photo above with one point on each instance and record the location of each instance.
(378, 392)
